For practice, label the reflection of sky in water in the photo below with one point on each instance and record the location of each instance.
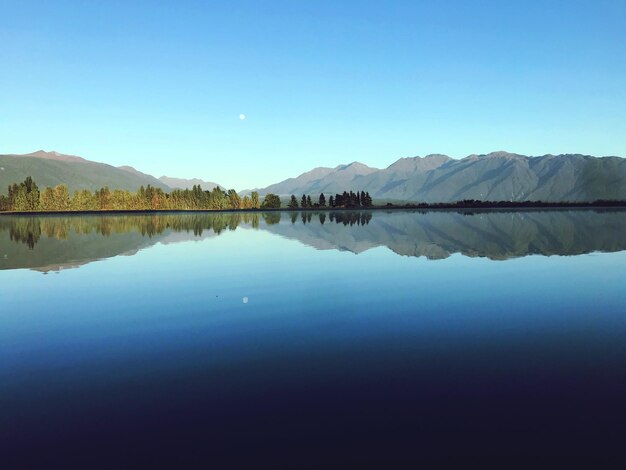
(177, 313)
(294, 287)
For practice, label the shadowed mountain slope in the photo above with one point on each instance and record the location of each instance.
(53, 168)
(498, 176)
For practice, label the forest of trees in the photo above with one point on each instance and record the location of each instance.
(27, 196)
(346, 199)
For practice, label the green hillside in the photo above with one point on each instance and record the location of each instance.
(76, 175)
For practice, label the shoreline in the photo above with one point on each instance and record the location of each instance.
(460, 206)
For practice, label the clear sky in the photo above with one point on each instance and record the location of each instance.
(161, 85)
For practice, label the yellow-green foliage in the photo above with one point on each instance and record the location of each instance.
(26, 197)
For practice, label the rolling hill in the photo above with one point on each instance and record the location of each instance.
(53, 168)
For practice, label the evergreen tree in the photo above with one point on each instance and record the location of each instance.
(20, 202)
(293, 203)
(308, 201)
(303, 201)
(353, 201)
(322, 200)
(368, 200)
(32, 194)
(331, 201)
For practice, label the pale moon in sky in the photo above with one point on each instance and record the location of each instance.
(242, 116)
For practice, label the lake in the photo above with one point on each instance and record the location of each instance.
(311, 338)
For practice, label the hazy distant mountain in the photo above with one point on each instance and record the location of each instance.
(495, 176)
(53, 168)
(498, 176)
(53, 156)
(321, 180)
(181, 183)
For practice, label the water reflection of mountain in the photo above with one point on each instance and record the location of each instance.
(58, 242)
(494, 234)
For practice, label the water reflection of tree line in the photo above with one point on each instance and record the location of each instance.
(28, 230)
(350, 218)
(345, 218)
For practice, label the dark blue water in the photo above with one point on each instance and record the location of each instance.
(369, 338)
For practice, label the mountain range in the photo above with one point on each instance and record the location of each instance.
(53, 168)
(497, 176)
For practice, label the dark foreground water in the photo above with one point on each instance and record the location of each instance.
(309, 339)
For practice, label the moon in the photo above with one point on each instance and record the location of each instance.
(242, 117)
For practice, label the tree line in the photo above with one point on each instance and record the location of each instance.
(27, 196)
(346, 199)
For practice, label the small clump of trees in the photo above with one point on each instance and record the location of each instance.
(22, 197)
(347, 199)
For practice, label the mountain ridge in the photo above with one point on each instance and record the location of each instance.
(496, 176)
(51, 168)
(188, 183)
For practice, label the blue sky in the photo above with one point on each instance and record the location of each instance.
(160, 85)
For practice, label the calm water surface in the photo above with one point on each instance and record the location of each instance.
(311, 338)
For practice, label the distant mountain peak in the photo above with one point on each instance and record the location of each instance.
(356, 167)
(497, 154)
(184, 183)
(51, 168)
(54, 155)
(438, 155)
(429, 162)
(495, 176)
